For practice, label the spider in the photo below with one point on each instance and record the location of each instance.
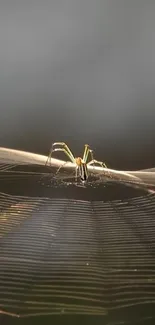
(81, 169)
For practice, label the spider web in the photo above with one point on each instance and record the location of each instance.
(67, 249)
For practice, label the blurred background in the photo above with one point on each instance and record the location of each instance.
(80, 71)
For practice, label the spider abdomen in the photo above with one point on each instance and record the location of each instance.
(83, 172)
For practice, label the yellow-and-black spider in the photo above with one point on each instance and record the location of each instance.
(81, 169)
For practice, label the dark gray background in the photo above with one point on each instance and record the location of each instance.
(80, 71)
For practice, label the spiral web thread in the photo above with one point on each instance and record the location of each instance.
(67, 256)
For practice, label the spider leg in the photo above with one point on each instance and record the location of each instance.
(87, 151)
(61, 167)
(76, 171)
(76, 174)
(65, 149)
(100, 163)
(59, 149)
(49, 157)
(94, 161)
(64, 145)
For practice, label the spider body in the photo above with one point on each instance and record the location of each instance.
(81, 169)
(79, 161)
